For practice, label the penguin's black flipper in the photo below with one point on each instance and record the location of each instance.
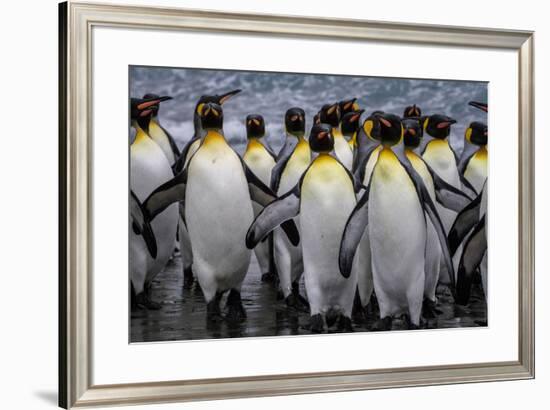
(276, 213)
(446, 194)
(282, 158)
(180, 162)
(173, 145)
(464, 222)
(259, 192)
(466, 184)
(165, 195)
(141, 225)
(467, 153)
(429, 209)
(353, 232)
(472, 255)
(269, 149)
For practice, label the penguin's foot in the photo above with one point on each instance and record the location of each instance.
(236, 312)
(410, 325)
(297, 302)
(370, 312)
(383, 324)
(213, 312)
(301, 300)
(269, 277)
(429, 309)
(142, 301)
(148, 289)
(188, 278)
(316, 324)
(358, 313)
(344, 324)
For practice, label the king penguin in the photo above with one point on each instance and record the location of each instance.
(292, 161)
(149, 168)
(330, 114)
(473, 160)
(396, 202)
(324, 197)
(217, 188)
(188, 150)
(452, 198)
(260, 159)
(347, 107)
(349, 126)
(412, 111)
(159, 134)
(439, 155)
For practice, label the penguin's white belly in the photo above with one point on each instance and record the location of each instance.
(192, 149)
(149, 168)
(397, 233)
(370, 165)
(441, 159)
(260, 163)
(159, 136)
(327, 199)
(343, 151)
(433, 248)
(476, 170)
(218, 212)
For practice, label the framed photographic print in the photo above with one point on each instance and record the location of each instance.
(262, 190)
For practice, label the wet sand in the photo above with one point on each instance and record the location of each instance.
(183, 313)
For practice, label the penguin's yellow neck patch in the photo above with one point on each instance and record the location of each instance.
(140, 136)
(413, 157)
(336, 133)
(326, 171)
(254, 144)
(154, 127)
(481, 152)
(437, 144)
(213, 138)
(388, 166)
(353, 141)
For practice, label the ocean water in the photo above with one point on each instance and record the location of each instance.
(271, 94)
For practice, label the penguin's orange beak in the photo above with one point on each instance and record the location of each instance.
(150, 103)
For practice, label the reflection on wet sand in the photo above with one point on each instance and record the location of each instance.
(183, 313)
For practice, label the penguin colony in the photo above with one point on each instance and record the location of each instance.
(374, 211)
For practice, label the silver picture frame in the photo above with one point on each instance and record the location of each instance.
(76, 21)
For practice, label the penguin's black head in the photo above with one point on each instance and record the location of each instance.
(347, 106)
(255, 126)
(438, 126)
(390, 129)
(330, 114)
(412, 132)
(155, 108)
(320, 138)
(350, 122)
(217, 99)
(211, 116)
(142, 109)
(412, 111)
(371, 126)
(476, 133)
(295, 121)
